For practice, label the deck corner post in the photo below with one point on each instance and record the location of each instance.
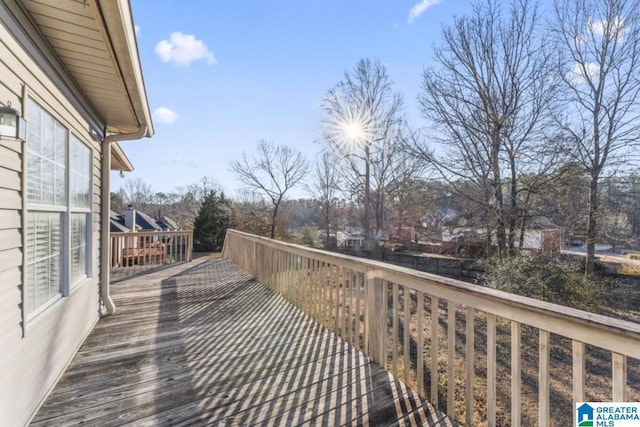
(375, 315)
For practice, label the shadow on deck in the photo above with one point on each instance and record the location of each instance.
(204, 343)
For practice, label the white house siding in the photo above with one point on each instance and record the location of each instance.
(532, 240)
(33, 356)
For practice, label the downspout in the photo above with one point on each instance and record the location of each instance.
(105, 225)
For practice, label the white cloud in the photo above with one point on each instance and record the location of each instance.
(136, 28)
(577, 73)
(164, 115)
(420, 8)
(184, 161)
(614, 28)
(182, 49)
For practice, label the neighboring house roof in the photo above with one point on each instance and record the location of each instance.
(168, 224)
(117, 227)
(541, 221)
(438, 216)
(146, 223)
(116, 222)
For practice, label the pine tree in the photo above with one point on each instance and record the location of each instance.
(210, 226)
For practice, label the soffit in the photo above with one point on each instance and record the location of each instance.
(100, 58)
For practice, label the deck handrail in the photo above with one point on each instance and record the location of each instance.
(318, 282)
(150, 247)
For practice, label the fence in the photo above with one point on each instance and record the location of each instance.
(481, 355)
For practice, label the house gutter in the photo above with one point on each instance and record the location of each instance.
(105, 226)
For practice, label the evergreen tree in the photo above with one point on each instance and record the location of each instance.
(210, 226)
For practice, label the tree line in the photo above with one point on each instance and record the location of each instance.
(527, 112)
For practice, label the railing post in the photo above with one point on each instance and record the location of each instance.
(376, 319)
(190, 247)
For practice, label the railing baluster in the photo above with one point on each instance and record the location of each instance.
(451, 355)
(578, 352)
(358, 342)
(470, 368)
(336, 294)
(395, 330)
(491, 369)
(369, 311)
(406, 341)
(543, 378)
(619, 377)
(314, 289)
(420, 337)
(345, 313)
(516, 374)
(434, 367)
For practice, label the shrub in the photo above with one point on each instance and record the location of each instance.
(549, 279)
(307, 237)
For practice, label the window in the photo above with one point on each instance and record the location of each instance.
(58, 210)
(80, 208)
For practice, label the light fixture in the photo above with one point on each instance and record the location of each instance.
(9, 122)
(121, 174)
(95, 135)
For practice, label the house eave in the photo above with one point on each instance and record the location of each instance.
(119, 160)
(95, 55)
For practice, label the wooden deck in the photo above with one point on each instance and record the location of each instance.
(203, 343)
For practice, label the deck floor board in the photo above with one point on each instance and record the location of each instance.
(205, 344)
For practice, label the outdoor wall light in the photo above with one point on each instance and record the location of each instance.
(10, 122)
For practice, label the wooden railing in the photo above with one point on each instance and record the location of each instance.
(531, 360)
(150, 248)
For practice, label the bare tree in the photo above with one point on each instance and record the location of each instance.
(272, 171)
(362, 113)
(407, 175)
(251, 213)
(491, 98)
(137, 193)
(324, 186)
(600, 69)
(203, 187)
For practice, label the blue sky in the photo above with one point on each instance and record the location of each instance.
(220, 75)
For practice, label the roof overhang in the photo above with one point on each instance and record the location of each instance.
(95, 43)
(119, 160)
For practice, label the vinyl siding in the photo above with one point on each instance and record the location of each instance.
(34, 355)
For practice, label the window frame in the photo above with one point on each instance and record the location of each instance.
(68, 283)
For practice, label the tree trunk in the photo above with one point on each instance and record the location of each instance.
(592, 226)
(523, 222)
(497, 193)
(276, 205)
(367, 202)
(513, 206)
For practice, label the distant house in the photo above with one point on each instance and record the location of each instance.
(350, 239)
(436, 218)
(71, 87)
(142, 221)
(138, 245)
(540, 236)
